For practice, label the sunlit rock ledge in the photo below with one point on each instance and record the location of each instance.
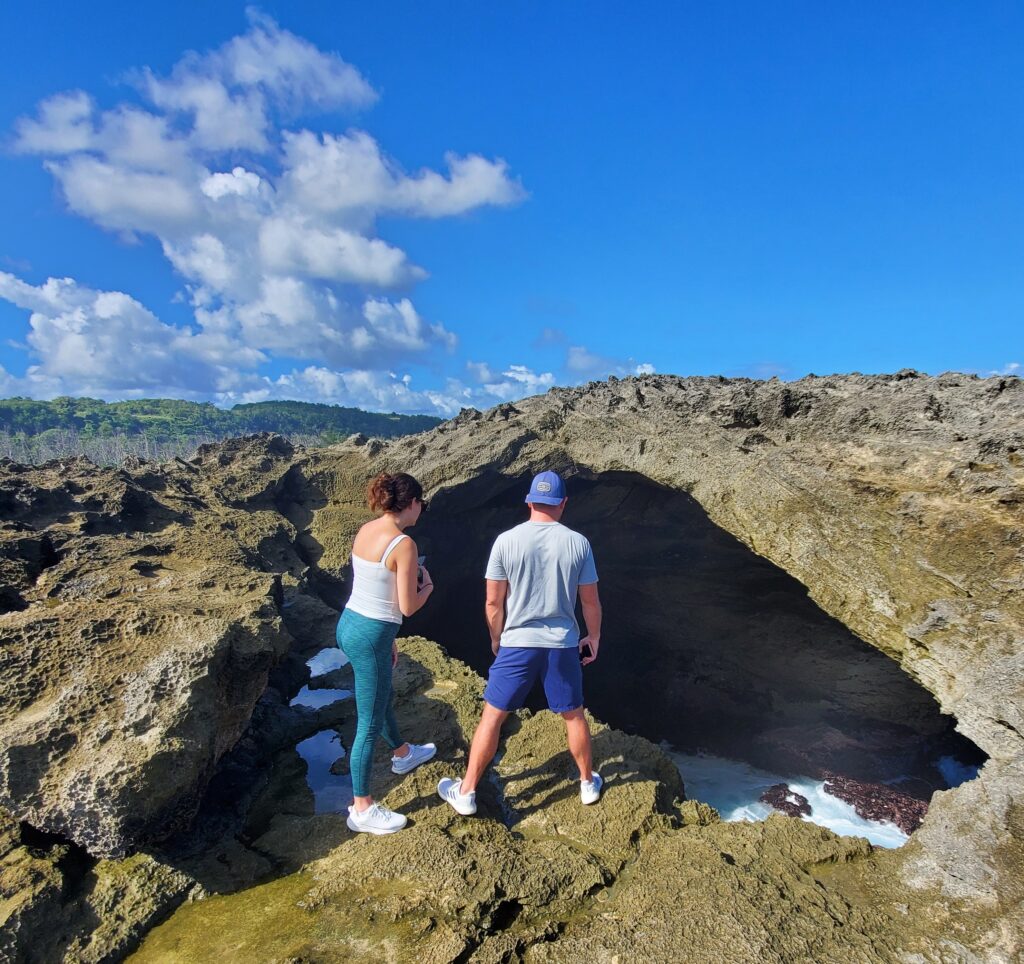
(895, 500)
(537, 876)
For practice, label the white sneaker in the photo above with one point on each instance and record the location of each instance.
(418, 753)
(449, 790)
(375, 819)
(590, 790)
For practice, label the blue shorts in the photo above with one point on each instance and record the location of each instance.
(517, 668)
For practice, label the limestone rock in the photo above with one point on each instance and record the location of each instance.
(147, 624)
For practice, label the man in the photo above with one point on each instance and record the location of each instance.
(533, 575)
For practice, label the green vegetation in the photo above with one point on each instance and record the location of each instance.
(34, 431)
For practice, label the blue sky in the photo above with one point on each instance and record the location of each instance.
(416, 207)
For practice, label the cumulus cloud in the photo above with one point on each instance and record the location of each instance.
(273, 229)
(517, 381)
(1011, 368)
(348, 176)
(361, 388)
(480, 371)
(105, 342)
(584, 363)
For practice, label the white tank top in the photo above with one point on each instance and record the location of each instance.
(375, 587)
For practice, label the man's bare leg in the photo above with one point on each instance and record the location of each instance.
(578, 734)
(484, 746)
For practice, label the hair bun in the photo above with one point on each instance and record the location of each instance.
(392, 493)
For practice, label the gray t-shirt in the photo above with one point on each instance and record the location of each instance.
(544, 563)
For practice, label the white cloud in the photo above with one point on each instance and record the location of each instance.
(105, 342)
(362, 388)
(481, 371)
(333, 254)
(9, 385)
(517, 381)
(273, 230)
(1011, 368)
(64, 126)
(348, 175)
(227, 93)
(584, 363)
(124, 199)
(239, 182)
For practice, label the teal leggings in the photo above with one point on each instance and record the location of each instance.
(367, 644)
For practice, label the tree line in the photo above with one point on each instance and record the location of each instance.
(34, 431)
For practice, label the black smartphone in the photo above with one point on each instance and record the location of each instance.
(419, 562)
(586, 651)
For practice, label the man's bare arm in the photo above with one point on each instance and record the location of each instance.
(494, 609)
(591, 603)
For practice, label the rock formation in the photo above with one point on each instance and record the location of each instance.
(143, 623)
(145, 610)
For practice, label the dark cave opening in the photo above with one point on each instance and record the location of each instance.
(705, 644)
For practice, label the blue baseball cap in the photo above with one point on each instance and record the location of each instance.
(547, 488)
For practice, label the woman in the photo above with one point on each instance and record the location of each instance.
(387, 584)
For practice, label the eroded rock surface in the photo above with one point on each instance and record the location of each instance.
(897, 500)
(146, 627)
(536, 876)
(145, 610)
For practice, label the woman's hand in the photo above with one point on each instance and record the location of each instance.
(425, 583)
(394, 653)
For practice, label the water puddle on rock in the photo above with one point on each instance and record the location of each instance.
(315, 699)
(326, 660)
(734, 788)
(332, 793)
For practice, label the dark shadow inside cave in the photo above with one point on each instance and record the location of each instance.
(705, 644)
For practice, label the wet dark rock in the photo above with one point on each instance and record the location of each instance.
(786, 801)
(875, 801)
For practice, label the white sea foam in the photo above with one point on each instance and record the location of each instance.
(733, 789)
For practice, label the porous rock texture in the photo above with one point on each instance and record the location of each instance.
(142, 625)
(897, 500)
(146, 606)
(536, 876)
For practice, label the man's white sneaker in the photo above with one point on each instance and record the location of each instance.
(590, 790)
(375, 819)
(449, 790)
(418, 753)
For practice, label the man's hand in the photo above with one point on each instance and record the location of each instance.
(495, 645)
(394, 653)
(588, 649)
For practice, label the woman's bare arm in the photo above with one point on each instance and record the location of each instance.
(411, 597)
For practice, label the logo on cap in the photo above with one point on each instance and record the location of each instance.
(543, 486)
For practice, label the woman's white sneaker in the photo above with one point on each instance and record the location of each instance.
(375, 819)
(418, 753)
(590, 790)
(449, 790)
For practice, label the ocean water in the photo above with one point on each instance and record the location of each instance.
(954, 772)
(733, 788)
